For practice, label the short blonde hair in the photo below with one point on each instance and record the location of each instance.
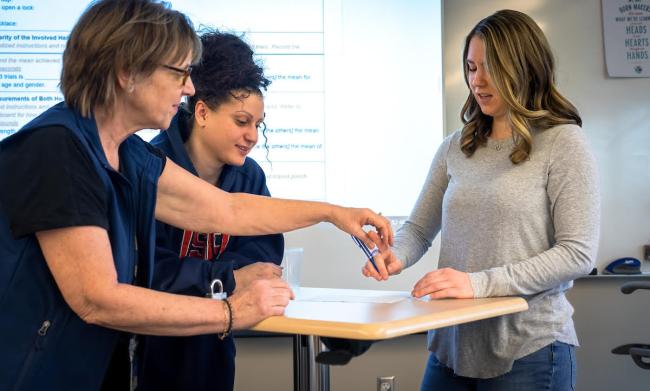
(121, 36)
(520, 63)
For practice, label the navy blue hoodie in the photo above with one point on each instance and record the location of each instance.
(186, 263)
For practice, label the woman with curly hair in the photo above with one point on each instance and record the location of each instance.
(211, 137)
(515, 197)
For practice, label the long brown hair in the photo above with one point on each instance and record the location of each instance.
(521, 66)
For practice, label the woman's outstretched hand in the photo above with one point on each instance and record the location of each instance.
(352, 221)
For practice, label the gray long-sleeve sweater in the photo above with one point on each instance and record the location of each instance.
(527, 230)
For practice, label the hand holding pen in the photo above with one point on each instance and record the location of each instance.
(369, 253)
(382, 263)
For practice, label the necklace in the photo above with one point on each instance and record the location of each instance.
(498, 145)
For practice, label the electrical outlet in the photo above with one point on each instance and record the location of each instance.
(386, 383)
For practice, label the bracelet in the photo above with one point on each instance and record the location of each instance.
(227, 310)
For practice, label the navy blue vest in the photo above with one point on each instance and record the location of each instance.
(44, 344)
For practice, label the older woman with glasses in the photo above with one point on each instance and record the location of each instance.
(80, 197)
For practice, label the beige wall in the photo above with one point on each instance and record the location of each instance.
(403, 358)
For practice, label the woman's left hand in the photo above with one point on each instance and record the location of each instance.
(256, 271)
(444, 283)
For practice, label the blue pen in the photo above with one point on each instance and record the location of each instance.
(367, 251)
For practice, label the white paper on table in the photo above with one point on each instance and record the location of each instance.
(353, 296)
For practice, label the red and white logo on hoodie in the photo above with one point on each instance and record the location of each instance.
(202, 245)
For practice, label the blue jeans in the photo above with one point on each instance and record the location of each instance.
(553, 368)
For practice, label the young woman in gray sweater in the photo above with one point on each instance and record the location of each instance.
(514, 195)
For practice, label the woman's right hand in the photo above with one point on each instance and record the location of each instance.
(259, 300)
(352, 221)
(386, 261)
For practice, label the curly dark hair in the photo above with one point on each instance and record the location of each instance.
(227, 70)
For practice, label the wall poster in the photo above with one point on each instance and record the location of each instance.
(626, 27)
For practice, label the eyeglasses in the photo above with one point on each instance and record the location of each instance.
(184, 72)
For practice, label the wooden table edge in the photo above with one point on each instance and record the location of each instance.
(388, 329)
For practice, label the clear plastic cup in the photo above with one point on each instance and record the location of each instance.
(291, 266)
